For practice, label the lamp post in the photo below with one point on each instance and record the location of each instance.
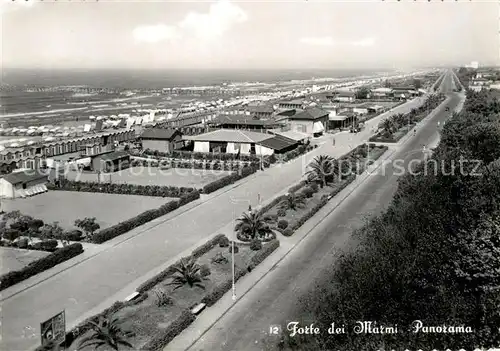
(232, 256)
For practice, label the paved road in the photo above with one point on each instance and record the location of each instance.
(272, 300)
(95, 283)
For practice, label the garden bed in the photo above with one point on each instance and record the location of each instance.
(153, 325)
(40, 265)
(288, 221)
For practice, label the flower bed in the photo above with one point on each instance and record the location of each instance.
(264, 239)
(230, 179)
(292, 154)
(125, 189)
(154, 325)
(38, 266)
(147, 216)
(289, 221)
(183, 155)
(194, 164)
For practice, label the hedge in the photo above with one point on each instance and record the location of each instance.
(216, 293)
(229, 179)
(85, 326)
(203, 249)
(150, 283)
(124, 189)
(38, 266)
(193, 164)
(324, 200)
(262, 254)
(143, 218)
(159, 341)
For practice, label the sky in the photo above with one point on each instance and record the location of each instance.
(247, 35)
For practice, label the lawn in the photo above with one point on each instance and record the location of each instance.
(15, 259)
(67, 206)
(145, 319)
(180, 177)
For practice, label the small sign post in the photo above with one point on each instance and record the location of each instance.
(54, 329)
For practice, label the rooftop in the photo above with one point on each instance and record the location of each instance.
(297, 136)
(292, 102)
(346, 93)
(24, 177)
(241, 119)
(111, 156)
(278, 142)
(231, 136)
(158, 133)
(261, 109)
(310, 114)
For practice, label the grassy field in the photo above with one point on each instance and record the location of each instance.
(146, 319)
(67, 206)
(15, 259)
(154, 176)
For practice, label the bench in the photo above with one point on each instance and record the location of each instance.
(132, 296)
(198, 308)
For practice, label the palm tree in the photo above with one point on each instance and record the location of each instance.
(187, 272)
(323, 167)
(292, 201)
(253, 225)
(106, 332)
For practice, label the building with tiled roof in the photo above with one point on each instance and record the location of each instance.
(232, 141)
(161, 139)
(22, 184)
(311, 121)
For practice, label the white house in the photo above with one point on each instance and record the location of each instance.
(23, 184)
(381, 92)
(234, 141)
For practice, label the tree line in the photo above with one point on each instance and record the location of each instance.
(433, 256)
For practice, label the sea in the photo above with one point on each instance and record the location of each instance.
(157, 79)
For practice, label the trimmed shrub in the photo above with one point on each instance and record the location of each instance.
(236, 249)
(218, 291)
(205, 270)
(224, 241)
(260, 256)
(126, 189)
(282, 224)
(46, 245)
(230, 179)
(74, 235)
(256, 245)
(188, 197)
(162, 298)
(159, 341)
(203, 249)
(134, 222)
(281, 212)
(219, 258)
(85, 326)
(287, 232)
(152, 282)
(297, 186)
(40, 265)
(307, 192)
(272, 203)
(22, 243)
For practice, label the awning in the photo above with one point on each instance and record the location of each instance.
(318, 127)
(337, 118)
